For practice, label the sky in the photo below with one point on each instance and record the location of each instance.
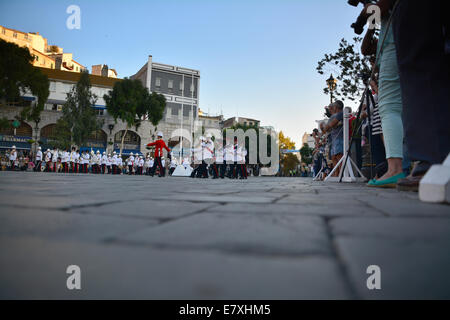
(257, 58)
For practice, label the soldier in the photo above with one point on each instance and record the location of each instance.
(160, 145)
(198, 159)
(77, 161)
(64, 161)
(229, 159)
(219, 158)
(140, 165)
(109, 163)
(114, 163)
(103, 162)
(130, 163)
(119, 163)
(186, 162)
(72, 159)
(38, 160)
(208, 156)
(13, 158)
(147, 165)
(173, 165)
(48, 160)
(55, 159)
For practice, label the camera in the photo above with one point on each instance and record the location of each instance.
(355, 3)
(364, 76)
(358, 26)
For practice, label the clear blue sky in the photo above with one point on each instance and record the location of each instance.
(257, 58)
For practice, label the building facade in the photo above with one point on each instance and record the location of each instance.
(181, 111)
(181, 87)
(45, 55)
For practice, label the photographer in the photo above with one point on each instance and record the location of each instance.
(389, 96)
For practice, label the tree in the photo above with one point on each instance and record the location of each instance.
(79, 119)
(306, 154)
(347, 63)
(288, 161)
(131, 102)
(17, 75)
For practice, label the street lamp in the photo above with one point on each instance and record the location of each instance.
(331, 83)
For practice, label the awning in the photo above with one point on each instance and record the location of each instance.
(28, 98)
(55, 101)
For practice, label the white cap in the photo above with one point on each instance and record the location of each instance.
(39, 148)
(159, 134)
(104, 152)
(13, 147)
(48, 150)
(98, 151)
(131, 153)
(114, 152)
(109, 154)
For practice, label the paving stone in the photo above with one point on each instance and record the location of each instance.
(411, 229)
(245, 233)
(63, 226)
(36, 269)
(409, 270)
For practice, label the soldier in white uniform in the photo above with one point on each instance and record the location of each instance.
(229, 158)
(114, 163)
(186, 162)
(55, 156)
(219, 158)
(48, 160)
(103, 162)
(109, 163)
(119, 164)
(130, 163)
(13, 158)
(38, 163)
(173, 165)
(64, 161)
(208, 156)
(77, 161)
(140, 165)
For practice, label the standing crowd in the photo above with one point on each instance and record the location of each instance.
(410, 86)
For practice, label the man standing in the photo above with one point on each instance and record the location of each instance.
(159, 146)
(334, 126)
(108, 163)
(422, 39)
(38, 160)
(13, 158)
(208, 157)
(173, 165)
(55, 159)
(130, 163)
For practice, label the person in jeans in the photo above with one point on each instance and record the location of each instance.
(390, 103)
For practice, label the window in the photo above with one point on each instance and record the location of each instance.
(170, 84)
(3, 30)
(26, 37)
(181, 86)
(15, 34)
(37, 58)
(158, 82)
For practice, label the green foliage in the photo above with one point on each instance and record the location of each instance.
(289, 162)
(347, 63)
(306, 154)
(5, 123)
(17, 75)
(131, 102)
(79, 119)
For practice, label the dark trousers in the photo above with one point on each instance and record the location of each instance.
(158, 163)
(38, 165)
(424, 77)
(215, 170)
(222, 169)
(103, 168)
(202, 170)
(130, 169)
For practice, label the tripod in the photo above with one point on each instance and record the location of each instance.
(369, 100)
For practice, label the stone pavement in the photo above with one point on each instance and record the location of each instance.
(179, 238)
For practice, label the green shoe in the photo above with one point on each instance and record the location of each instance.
(387, 183)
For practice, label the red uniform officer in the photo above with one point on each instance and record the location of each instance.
(159, 145)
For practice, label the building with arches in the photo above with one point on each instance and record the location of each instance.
(179, 85)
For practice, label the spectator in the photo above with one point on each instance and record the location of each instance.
(420, 29)
(389, 100)
(334, 126)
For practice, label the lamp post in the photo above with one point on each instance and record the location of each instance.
(331, 83)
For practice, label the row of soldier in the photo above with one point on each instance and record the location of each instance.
(228, 160)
